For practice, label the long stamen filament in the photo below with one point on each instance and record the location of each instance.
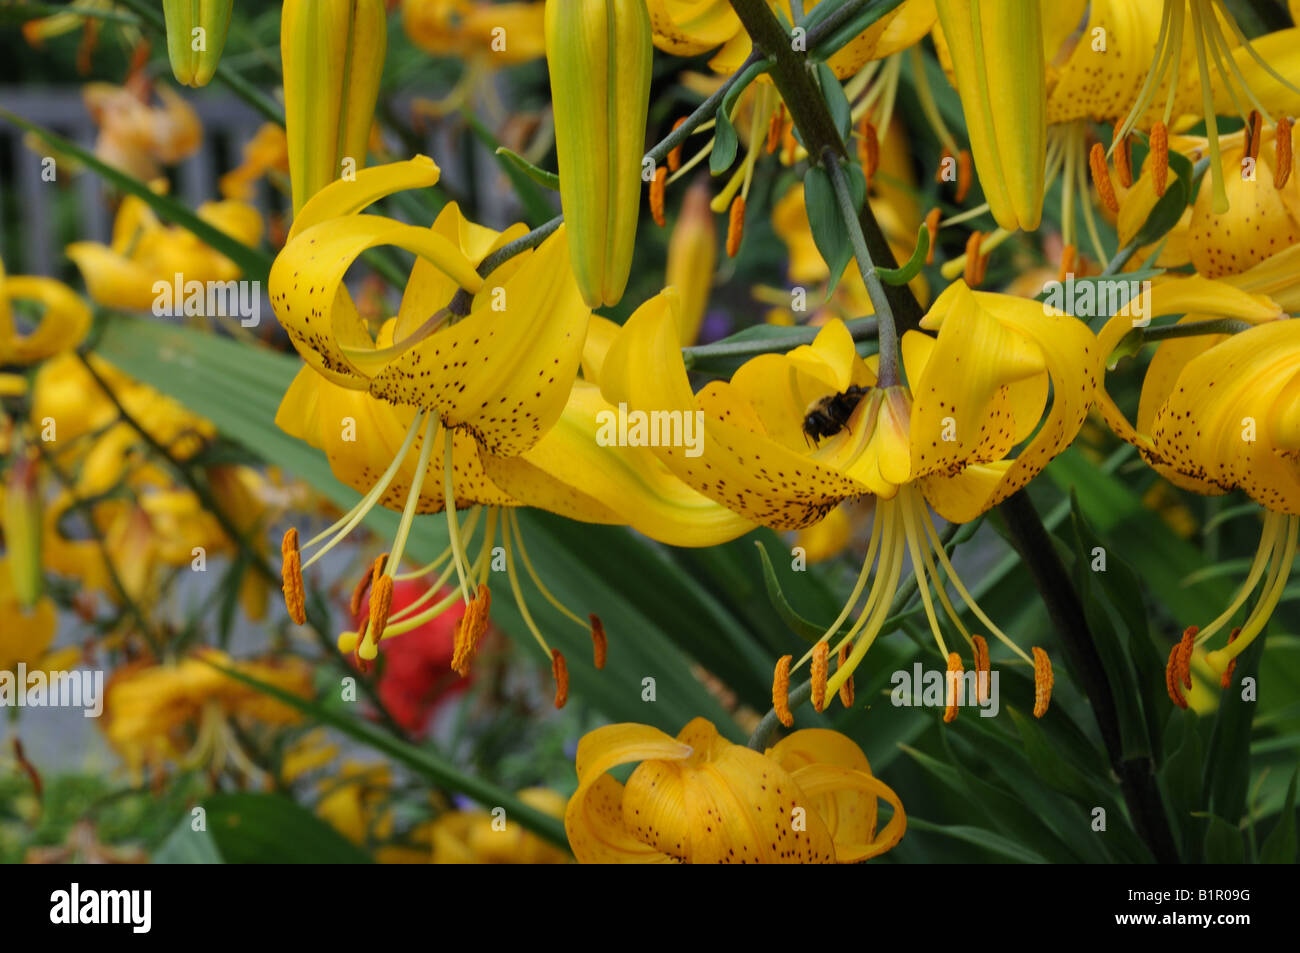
(872, 547)
(413, 495)
(1268, 602)
(1268, 545)
(961, 588)
(1207, 106)
(512, 523)
(918, 568)
(348, 522)
(453, 521)
(519, 598)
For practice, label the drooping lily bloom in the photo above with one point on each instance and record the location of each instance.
(700, 799)
(976, 392)
(469, 365)
(139, 138)
(483, 33)
(161, 714)
(1218, 413)
(27, 632)
(61, 325)
(144, 252)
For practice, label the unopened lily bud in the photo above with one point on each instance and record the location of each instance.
(997, 58)
(692, 258)
(196, 35)
(598, 53)
(22, 529)
(333, 55)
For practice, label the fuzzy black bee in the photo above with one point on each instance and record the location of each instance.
(829, 415)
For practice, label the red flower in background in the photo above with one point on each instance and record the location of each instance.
(416, 676)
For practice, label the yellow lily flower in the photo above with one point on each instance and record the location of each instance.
(267, 151)
(61, 326)
(1216, 414)
(144, 252)
(183, 713)
(485, 364)
(505, 33)
(469, 837)
(136, 137)
(977, 390)
(700, 799)
(692, 27)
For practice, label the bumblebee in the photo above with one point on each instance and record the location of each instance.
(829, 415)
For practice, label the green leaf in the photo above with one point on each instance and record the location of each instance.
(828, 229)
(1280, 845)
(254, 262)
(184, 845)
(547, 180)
(1170, 207)
(1224, 844)
(725, 143)
(980, 837)
(838, 104)
(272, 829)
(805, 629)
(912, 267)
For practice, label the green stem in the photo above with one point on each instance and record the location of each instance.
(1194, 329)
(861, 329)
(887, 333)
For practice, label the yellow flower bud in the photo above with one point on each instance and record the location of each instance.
(196, 35)
(598, 53)
(997, 58)
(692, 257)
(21, 521)
(333, 56)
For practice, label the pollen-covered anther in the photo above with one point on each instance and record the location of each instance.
(470, 630)
(1069, 255)
(781, 691)
(868, 148)
(364, 583)
(291, 572)
(932, 226)
(658, 185)
(1254, 130)
(381, 604)
(983, 670)
(1171, 679)
(560, 670)
(1226, 680)
(735, 225)
(1159, 157)
(599, 642)
(775, 126)
(975, 263)
(1282, 146)
(964, 175)
(1043, 682)
(820, 671)
(1101, 177)
(954, 679)
(1185, 648)
(846, 690)
(1123, 153)
(675, 153)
